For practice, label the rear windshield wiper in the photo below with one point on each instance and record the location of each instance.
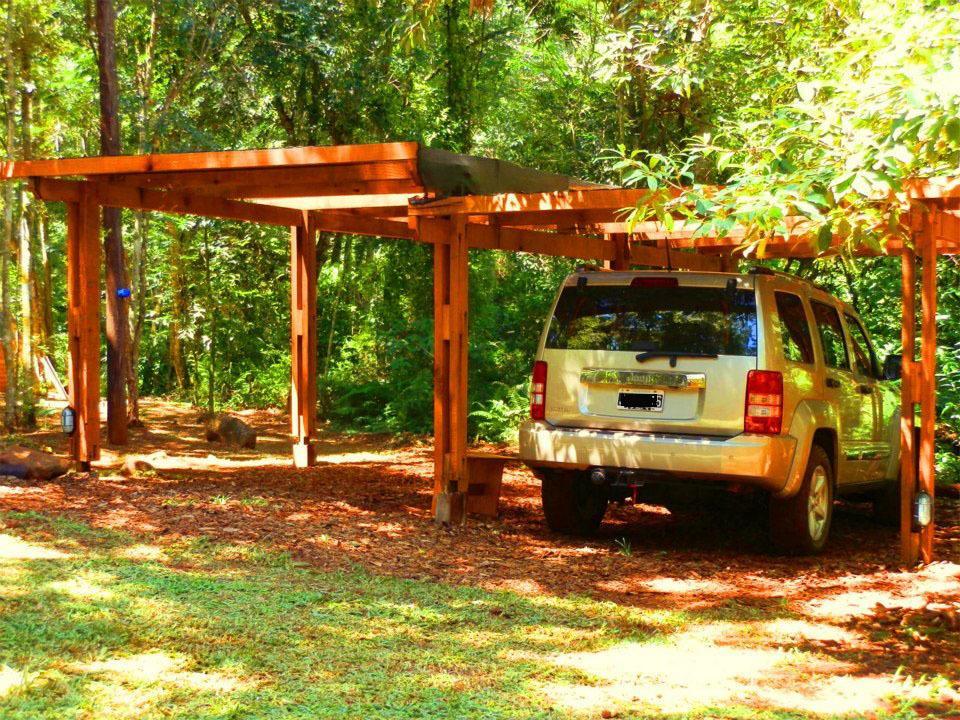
(649, 355)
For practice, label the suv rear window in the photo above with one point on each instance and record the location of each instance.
(707, 320)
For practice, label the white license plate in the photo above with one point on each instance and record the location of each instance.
(646, 401)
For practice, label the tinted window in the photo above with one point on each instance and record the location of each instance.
(679, 319)
(794, 328)
(864, 359)
(831, 336)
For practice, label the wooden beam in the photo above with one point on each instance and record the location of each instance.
(393, 203)
(169, 201)
(303, 342)
(621, 246)
(224, 160)
(510, 203)
(221, 182)
(928, 373)
(361, 193)
(450, 277)
(662, 257)
(342, 222)
(909, 546)
(83, 325)
(491, 237)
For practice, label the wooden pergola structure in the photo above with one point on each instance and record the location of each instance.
(455, 203)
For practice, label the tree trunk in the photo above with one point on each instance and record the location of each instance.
(178, 311)
(117, 315)
(6, 316)
(28, 379)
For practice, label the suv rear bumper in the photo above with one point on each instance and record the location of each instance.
(758, 460)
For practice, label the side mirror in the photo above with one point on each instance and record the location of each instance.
(893, 367)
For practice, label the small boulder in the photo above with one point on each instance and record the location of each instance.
(28, 464)
(231, 431)
(134, 467)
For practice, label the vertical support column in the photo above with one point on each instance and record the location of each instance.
(83, 325)
(303, 341)
(928, 376)
(621, 246)
(909, 540)
(450, 291)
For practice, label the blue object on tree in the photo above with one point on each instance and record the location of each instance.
(123, 293)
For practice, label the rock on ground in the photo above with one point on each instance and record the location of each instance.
(29, 464)
(230, 430)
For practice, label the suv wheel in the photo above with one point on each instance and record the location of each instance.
(800, 525)
(572, 504)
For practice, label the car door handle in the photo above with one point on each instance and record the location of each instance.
(833, 382)
(864, 389)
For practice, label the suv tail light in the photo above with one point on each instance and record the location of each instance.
(763, 407)
(538, 391)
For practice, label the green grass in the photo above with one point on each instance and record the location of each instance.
(100, 624)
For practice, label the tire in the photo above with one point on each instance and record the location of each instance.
(800, 525)
(886, 505)
(572, 504)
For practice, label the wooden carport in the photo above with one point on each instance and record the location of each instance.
(456, 203)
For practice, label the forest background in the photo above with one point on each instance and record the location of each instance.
(813, 107)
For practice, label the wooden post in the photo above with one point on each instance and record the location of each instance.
(909, 540)
(450, 278)
(303, 341)
(83, 325)
(928, 375)
(621, 244)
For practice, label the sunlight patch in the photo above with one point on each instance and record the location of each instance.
(142, 553)
(80, 587)
(11, 679)
(13, 548)
(684, 586)
(158, 667)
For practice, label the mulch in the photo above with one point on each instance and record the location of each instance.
(367, 503)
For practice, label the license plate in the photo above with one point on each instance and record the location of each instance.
(648, 401)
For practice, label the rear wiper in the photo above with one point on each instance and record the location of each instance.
(644, 356)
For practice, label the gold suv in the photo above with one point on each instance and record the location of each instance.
(658, 385)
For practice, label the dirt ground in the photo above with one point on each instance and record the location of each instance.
(368, 503)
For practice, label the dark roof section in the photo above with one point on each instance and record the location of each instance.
(450, 174)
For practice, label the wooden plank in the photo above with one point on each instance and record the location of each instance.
(660, 257)
(509, 203)
(83, 325)
(432, 232)
(221, 160)
(621, 255)
(221, 182)
(909, 541)
(303, 341)
(170, 201)
(491, 237)
(928, 385)
(457, 330)
(451, 267)
(395, 203)
(342, 222)
(361, 193)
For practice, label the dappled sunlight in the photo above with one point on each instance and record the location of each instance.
(680, 586)
(11, 680)
(142, 552)
(83, 586)
(158, 667)
(702, 667)
(14, 548)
